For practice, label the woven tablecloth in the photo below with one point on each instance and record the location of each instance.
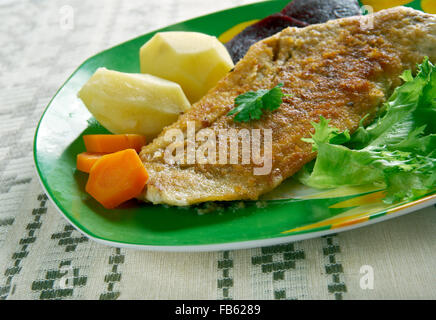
(43, 257)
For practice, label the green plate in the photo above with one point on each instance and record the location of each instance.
(292, 212)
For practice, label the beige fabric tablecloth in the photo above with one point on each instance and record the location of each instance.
(43, 257)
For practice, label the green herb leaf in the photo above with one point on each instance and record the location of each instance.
(250, 105)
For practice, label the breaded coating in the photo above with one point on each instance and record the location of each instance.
(343, 70)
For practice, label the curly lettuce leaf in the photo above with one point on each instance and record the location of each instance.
(396, 152)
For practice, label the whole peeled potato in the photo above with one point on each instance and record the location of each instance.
(133, 103)
(194, 60)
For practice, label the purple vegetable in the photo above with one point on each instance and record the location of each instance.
(320, 11)
(298, 13)
(265, 28)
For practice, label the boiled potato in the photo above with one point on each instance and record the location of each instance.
(194, 60)
(133, 103)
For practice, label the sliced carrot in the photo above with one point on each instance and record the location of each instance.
(108, 143)
(116, 178)
(86, 160)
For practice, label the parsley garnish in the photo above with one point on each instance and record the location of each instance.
(250, 105)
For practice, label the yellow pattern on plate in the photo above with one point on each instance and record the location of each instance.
(352, 216)
(338, 220)
(385, 4)
(375, 197)
(428, 6)
(229, 34)
(411, 204)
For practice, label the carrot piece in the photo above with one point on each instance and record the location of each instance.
(86, 160)
(108, 143)
(116, 178)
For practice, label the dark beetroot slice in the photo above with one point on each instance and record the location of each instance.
(265, 28)
(320, 11)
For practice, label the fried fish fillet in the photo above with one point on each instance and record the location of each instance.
(343, 70)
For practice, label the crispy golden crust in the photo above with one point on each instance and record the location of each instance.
(340, 70)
